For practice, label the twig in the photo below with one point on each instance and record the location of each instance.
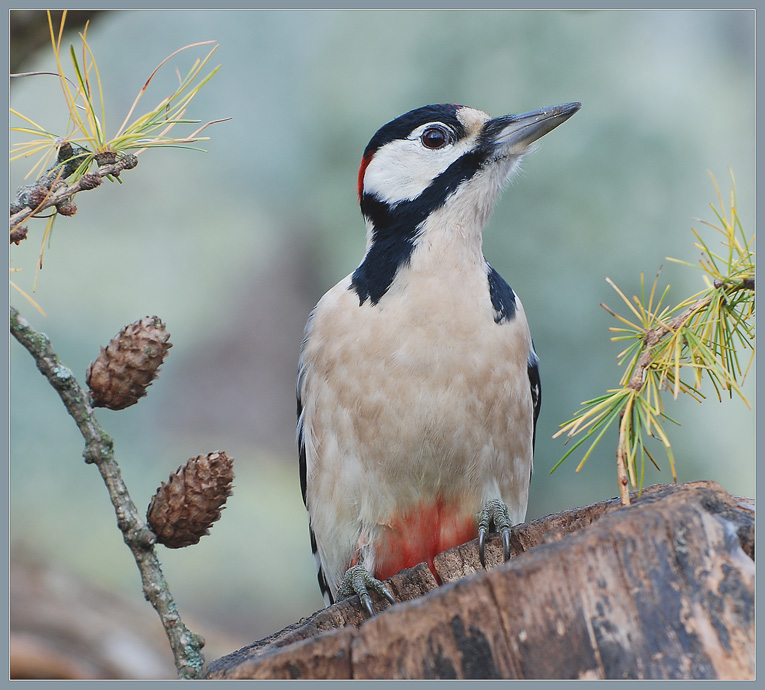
(59, 192)
(621, 470)
(651, 338)
(654, 336)
(99, 450)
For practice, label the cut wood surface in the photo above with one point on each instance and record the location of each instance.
(663, 588)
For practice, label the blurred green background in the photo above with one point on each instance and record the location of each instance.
(233, 247)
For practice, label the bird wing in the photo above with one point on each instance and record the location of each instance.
(536, 389)
(305, 453)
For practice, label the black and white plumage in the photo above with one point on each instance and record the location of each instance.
(418, 386)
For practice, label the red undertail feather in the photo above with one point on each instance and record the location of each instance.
(418, 535)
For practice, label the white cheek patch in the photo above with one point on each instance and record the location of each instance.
(403, 169)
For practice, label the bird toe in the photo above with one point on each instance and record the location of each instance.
(494, 513)
(358, 581)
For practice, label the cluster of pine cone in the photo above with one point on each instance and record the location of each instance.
(184, 508)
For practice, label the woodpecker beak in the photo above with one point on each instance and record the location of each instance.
(514, 134)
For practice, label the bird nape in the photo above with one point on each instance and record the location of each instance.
(418, 386)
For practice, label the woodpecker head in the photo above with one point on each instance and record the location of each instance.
(434, 159)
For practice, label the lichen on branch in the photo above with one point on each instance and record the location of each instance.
(99, 450)
(53, 191)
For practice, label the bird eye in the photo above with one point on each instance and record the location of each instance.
(434, 138)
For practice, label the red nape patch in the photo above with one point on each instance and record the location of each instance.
(365, 161)
(418, 535)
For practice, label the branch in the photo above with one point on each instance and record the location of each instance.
(48, 192)
(655, 335)
(99, 450)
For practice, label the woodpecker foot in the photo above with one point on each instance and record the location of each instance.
(494, 513)
(358, 580)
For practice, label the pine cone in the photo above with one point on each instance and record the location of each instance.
(124, 369)
(183, 510)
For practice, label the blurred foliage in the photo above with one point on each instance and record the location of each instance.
(233, 252)
(704, 334)
(29, 32)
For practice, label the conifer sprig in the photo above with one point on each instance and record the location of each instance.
(672, 349)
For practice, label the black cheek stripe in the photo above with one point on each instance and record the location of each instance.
(395, 228)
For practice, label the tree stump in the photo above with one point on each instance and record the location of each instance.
(663, 588)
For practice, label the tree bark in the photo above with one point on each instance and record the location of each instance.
(663, 588)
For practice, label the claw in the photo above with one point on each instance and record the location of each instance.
(482, 543)
(494, 513)
(358, 580)
(506, 542)
(385, 592)
(366, 600)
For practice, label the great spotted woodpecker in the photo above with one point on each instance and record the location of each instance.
(418, 386)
